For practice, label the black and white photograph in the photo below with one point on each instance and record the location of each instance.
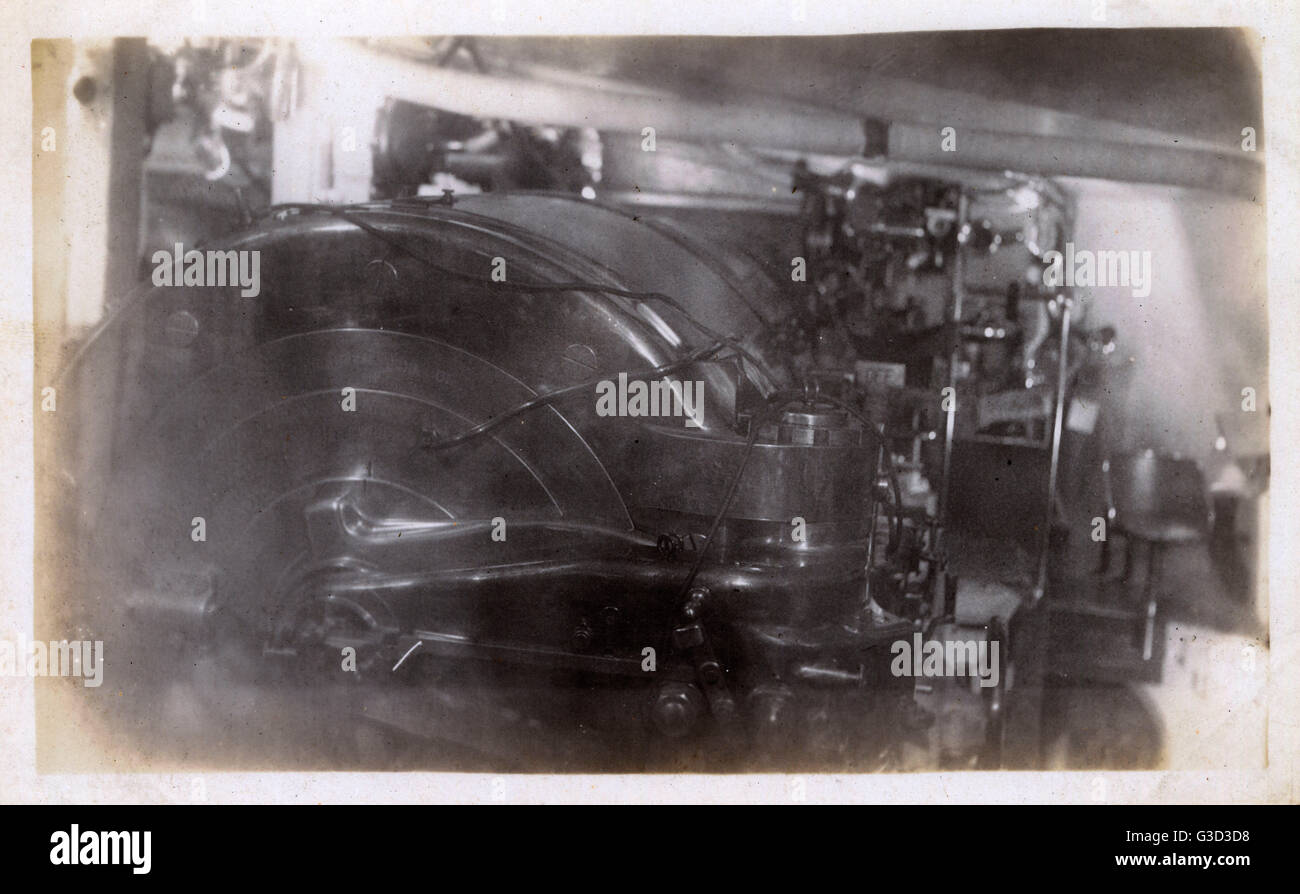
(888, 403)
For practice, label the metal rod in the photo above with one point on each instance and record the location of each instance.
(875, 516)
(956, 311)
(1053, 468)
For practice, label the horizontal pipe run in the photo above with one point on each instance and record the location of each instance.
(779, 126)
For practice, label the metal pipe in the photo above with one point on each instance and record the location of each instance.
(899, 99)
(1220, 170)
(774, 125)
(753, 591)
(1045, 543)
(573, 105)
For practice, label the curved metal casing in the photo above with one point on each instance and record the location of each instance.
(230, 409)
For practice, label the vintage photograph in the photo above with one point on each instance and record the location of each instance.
(856, 403)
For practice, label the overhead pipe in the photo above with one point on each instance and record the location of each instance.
(775, 126)
(1217, 170)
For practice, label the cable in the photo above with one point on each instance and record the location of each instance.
(548, 397)
(755, 424)
(344, 212)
